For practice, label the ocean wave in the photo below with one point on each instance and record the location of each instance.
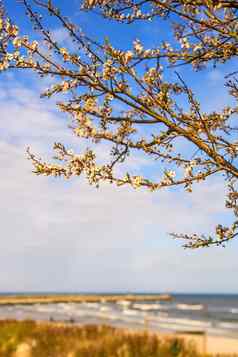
(228, 325)
(66, 307)
(190, 307)
(110, 316)
(131, 319)
(92, 305)
(124, 303)
(147, 307)
(130, 312)
(190, 322)
(44, 308)
(180, 321)
(105, 308)
(106, 316)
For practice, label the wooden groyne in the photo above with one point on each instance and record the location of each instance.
(51, 299)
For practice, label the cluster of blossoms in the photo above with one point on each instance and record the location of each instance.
(184, 43)
(76, 165)
(108, 70)
(152, 75)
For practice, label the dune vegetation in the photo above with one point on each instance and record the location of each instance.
(32, 339)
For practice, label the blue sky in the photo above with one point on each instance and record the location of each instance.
(68, 236)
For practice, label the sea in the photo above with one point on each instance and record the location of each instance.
(190, 313)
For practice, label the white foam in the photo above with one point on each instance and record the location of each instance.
(92, 305)
(147, 307)
(190, 307)
(130, 312)
(105, 308)
(124, 303)
(45, 308)
(228, 325)
(179, 321)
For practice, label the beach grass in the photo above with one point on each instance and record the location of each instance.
(34, 339)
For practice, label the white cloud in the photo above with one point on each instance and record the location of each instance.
(58, 235)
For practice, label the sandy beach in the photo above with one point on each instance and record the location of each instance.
(212, 344)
